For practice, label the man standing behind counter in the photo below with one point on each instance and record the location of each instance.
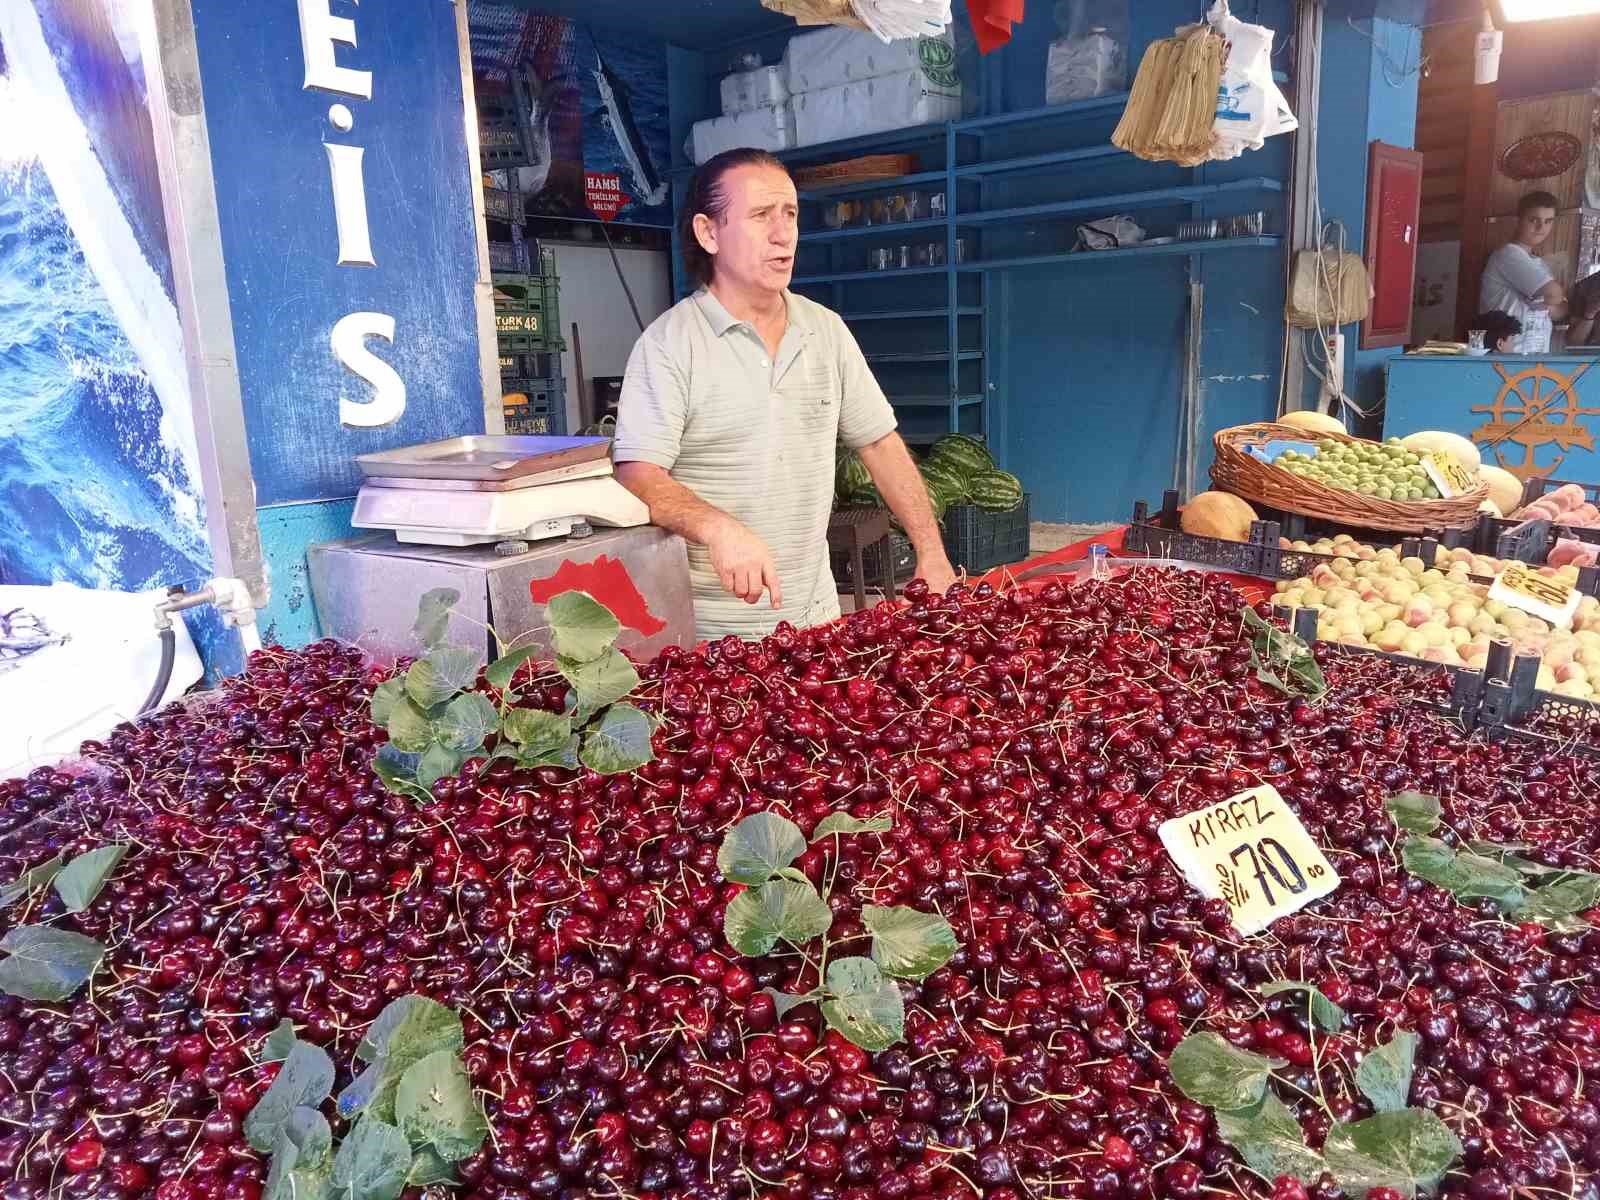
(733, 402)
(1515, 279)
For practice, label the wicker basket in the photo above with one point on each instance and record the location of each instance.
(857, 170)
(1238, 471)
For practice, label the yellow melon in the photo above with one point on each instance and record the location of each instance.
(1218, 515)
(1505, 489)
(1313, 422)
(1453, 444)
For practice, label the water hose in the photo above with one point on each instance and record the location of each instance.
(163, 673)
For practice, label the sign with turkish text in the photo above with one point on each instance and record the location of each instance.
(339, 150)
(604, 194)
(1251, 851)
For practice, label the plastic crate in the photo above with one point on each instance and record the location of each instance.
(976, 539)
(544, 411)
(502, 205)
(527, 314)
(508, 256)
(902, 556)
(505, 138)
(529, 366)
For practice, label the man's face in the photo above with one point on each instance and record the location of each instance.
(1534, 226)
(754, 240)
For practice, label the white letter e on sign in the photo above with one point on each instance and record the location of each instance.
(319, 31)
(389, 390)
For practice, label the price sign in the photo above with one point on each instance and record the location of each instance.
(1448, 475)
(1251, 851)
(1538, 595)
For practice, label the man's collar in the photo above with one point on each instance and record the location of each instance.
(721, 320)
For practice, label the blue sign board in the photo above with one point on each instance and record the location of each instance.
(338, 141)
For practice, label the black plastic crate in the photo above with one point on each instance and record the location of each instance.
(505, 136)
(502, 205)
(529, 366)
(976, 539)
(1499, 542)
(549, 391)
(901, 555)
(508, 257)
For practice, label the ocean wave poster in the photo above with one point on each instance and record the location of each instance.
(99, 475)
(595, 106)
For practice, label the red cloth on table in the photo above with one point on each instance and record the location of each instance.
(992, 21)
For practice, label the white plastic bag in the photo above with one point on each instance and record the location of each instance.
(1250, 108)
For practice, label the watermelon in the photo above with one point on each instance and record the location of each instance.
(850, 474)
(964, 452)
(946, 477)
(996, 491)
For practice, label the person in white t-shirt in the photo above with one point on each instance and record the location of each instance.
(1515, 280)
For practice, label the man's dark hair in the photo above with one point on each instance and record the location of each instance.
(1535, 200)
(708, 195)
(1496, 325)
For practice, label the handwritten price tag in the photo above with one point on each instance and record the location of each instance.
(1251, 851)
(1448, 475)
(1523, 588)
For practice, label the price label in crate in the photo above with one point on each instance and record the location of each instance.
(1448, 475)
(517, 322)
(1251, 851)
(1523, 588)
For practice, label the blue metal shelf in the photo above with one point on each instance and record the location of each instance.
(910, 314)
(1028, 162)
(933, 401)
(874, 185)
(1086, 257)
(1114, 102)
(847, 276)
(1154, 198)
(921, 357)
(889, 230)
(877, 143)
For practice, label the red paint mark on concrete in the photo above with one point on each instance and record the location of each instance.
(608, 581)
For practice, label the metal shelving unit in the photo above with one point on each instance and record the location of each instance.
(991, 170)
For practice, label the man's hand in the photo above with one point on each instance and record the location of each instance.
(743, 563)
(938, 574)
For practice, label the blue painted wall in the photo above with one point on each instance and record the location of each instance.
(1369, 93)
(1094, 355)
(281, 244)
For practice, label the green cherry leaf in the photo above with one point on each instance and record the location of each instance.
(384, 697)
(754, 849)
(33, 877)
(428, 1168)
(398, 771)
(445, 671)
(621, 742)
(436, 763)
(908, 943)
(864, 1004)
(466, 722)
(1270, 1140)
(301, 1167)
(414, 1026)
(46, 963)
(1215, 1073)
(433, 615)
(839, 822)
(564, 755)
(434, 1105)
(279, 1042)
(410, 731)
(786, 1002)
(598, 682)
(1415, 812)
(581, 627)
(305, 1079)
(80, 881)
(373, 1162)
(536, 730)
(1384, 1075)
(502, 670)
(1327, 1015)
(780, 909)
(1556, 902)
(1409, 1151)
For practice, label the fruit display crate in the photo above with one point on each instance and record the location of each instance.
(1501, 700)
(529, 366)
(546, 401)
(977, 539)
(1522, 539)
(527, 315)
(902, 556)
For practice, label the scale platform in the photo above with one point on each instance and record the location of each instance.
(468, 491)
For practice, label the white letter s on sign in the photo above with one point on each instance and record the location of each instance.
(389, 390)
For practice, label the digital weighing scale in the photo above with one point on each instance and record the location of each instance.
(469, 491)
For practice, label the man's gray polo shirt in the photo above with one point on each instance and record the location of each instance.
(755, 438)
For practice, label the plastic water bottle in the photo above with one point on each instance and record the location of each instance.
(1099, 562)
